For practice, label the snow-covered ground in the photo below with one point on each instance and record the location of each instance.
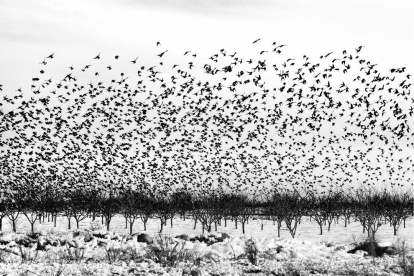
(218, 254)
(307, 230)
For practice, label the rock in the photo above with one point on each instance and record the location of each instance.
(52, 241)
(340, 255)
(389, 250)
(93, 243)
(219, 251)
(102, 242)
(281, 257)
(296, 255)
(8, 237)
(238, 245)
(100, 234)
(23, 241)
(70, 243)
(145, 238)
(279, 249)
(41, 244)
(79, 242)
(271, 243)
(360, 253)
(384, 244)
(225, 236)
(34, 235)
(199, 249)
(340, 248)
(183, 237)
(88, 237)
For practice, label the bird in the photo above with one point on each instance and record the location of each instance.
(98, 56)
(160, 55)
(134, 61)
(256, 41)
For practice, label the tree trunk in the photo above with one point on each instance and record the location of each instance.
(130, 227)
(108, 221)
(14, 225)
(279, 225)
(162, 225)
(329, 225)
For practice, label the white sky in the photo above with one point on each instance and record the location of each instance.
(76, 31)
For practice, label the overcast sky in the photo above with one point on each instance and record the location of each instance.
(77, 30)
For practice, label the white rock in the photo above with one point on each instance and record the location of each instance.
(8, 237)
(340, 255)
(360, 253)
(384, 244)
(188, 245)
(296, 255)
(132, 264)
(281, 257)
(220, 250)
(238, 245)
(12, 244)
(199, 249)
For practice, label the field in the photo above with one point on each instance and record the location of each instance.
(379, 223)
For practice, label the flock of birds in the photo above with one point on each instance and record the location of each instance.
(224, 121)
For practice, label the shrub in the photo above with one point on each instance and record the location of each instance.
(405, 261)
(74, 254)
(27, 254)
(252, 251)
(166, 253)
